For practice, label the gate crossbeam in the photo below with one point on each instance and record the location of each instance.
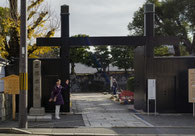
(98, 41)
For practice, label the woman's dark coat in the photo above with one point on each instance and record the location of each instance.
(57, 92)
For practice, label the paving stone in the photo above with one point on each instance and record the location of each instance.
(95, 124)
(86, 121)
(106, 124)
(43, 118)
(37, 111)
(116, 124)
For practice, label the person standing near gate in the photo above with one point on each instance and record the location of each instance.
(114, 86)
(56, 96)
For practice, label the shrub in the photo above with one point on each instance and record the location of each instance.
(131, 84)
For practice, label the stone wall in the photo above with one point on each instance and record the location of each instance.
(97, 82)
(5, 106)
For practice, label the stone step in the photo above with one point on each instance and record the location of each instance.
(43, 118)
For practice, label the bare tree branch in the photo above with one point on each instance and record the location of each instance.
(34, 4)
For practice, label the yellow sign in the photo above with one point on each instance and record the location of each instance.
(11, 84)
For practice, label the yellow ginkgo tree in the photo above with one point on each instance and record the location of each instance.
(39, 24)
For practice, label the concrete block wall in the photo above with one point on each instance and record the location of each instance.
(5, 106)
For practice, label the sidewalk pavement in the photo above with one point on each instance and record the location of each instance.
(99, 111)
(169, 120)
(66, 121)
(96, 114)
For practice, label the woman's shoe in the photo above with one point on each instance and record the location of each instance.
(58, 118)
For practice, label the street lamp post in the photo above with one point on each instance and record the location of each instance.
(23, 69)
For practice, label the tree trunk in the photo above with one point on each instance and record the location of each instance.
(126, 73)
(13, 9)
(104, 69)
(72, 68)
(188, 45)
(177, 50)
(193, 45)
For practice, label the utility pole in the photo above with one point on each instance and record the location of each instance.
(23, 69)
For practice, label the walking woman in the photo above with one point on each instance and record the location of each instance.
(57, 97)
(115, 86)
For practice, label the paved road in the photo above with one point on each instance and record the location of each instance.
(99, 111)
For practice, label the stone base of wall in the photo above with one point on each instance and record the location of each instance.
(97, 82)
(5, 106)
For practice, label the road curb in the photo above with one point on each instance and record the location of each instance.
(96, 134)
(14, 131)
(101, 132)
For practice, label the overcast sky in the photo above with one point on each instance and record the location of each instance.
(96, 17)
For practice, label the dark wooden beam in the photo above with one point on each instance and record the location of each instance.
(98, 41)
(166, 40)
(54, 41)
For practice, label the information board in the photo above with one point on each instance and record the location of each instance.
(152, 89)
(11, 84)
(191, 85)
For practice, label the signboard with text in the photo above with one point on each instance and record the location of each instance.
(11, 84)
(191, 85)
(152, 89)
